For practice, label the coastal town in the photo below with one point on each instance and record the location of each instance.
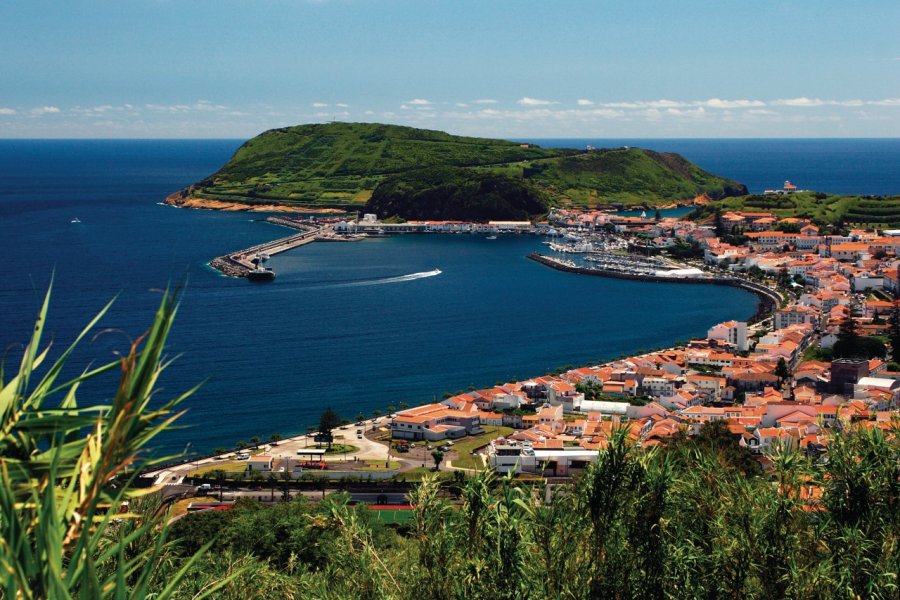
(812, 360)
(782, 381)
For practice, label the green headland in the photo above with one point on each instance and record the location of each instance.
(416, 173)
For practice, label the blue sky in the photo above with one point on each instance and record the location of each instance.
(512, 68)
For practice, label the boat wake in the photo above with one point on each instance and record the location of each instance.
(386, 280)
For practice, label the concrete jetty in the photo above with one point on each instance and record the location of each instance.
(240, 262)
(769, 299)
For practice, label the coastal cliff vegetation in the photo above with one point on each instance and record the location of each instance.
(822, 209)
(343, 165)
(695, 518)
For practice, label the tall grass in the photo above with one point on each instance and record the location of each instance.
(67, 472)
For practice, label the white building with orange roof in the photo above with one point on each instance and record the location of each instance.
(765, 439)
(730, 332)
(434, 422)
(561, 393)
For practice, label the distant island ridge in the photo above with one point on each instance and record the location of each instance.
(409, 173)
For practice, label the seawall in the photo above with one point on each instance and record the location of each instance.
(768, 298)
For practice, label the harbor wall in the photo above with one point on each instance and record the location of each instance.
(769, 299)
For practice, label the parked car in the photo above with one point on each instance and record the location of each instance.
(243, 456)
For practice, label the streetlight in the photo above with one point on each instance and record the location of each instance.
(185, 451)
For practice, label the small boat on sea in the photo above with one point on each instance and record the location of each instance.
(491, 237)
(261, 274)
(76, 220)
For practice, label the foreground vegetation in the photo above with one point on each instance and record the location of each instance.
(344, 165)
(696, 518)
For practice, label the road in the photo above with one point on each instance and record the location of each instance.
(368, 450)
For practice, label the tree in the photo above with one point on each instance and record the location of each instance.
(657, 216)
(254, 441)
(438, 456)
(784, 279)
(328, 421)
(275, 438)
(894, 331)
(782, 371)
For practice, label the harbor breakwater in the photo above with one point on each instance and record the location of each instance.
(768, 299)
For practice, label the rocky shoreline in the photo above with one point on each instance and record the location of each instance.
(183, 199)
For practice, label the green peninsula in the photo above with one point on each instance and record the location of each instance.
(417, 173)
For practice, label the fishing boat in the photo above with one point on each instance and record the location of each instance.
(491, 237)
(76, 220)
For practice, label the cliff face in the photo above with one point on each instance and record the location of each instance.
(365, 166)
(457, 194)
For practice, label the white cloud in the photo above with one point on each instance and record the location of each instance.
(801, 101)
(644, 104)
(45, 110)
(526, 101)
(462, 105)
(342, 105)
(7, 111)
(369, 112)
(419, 102)
(886, 102)
(719, 103)
(484, 101)
(584, 102)
(320, 105)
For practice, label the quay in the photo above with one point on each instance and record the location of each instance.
(240, 262)
(769, 299)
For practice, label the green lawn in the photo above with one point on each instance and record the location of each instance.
(394, 517)
(378, 465)
(464, 447)
(342, 449)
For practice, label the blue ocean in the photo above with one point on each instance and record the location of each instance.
(356, 327)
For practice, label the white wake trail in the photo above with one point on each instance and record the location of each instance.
(398, 279)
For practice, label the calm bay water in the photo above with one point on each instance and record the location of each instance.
(353, 326)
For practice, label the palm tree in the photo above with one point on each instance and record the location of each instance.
(275, 438)
(218, 475)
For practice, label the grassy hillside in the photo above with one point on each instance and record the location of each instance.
(823, 208)
(342, 164)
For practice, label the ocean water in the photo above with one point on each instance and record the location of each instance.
(837, 166)
(354, 326)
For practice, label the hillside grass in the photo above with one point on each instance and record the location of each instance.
(340, 165)
(832, 209)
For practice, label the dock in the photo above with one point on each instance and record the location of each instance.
(240, 262)
(769, 299)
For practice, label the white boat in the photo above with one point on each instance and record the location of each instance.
(491, 237)
(76, 220)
